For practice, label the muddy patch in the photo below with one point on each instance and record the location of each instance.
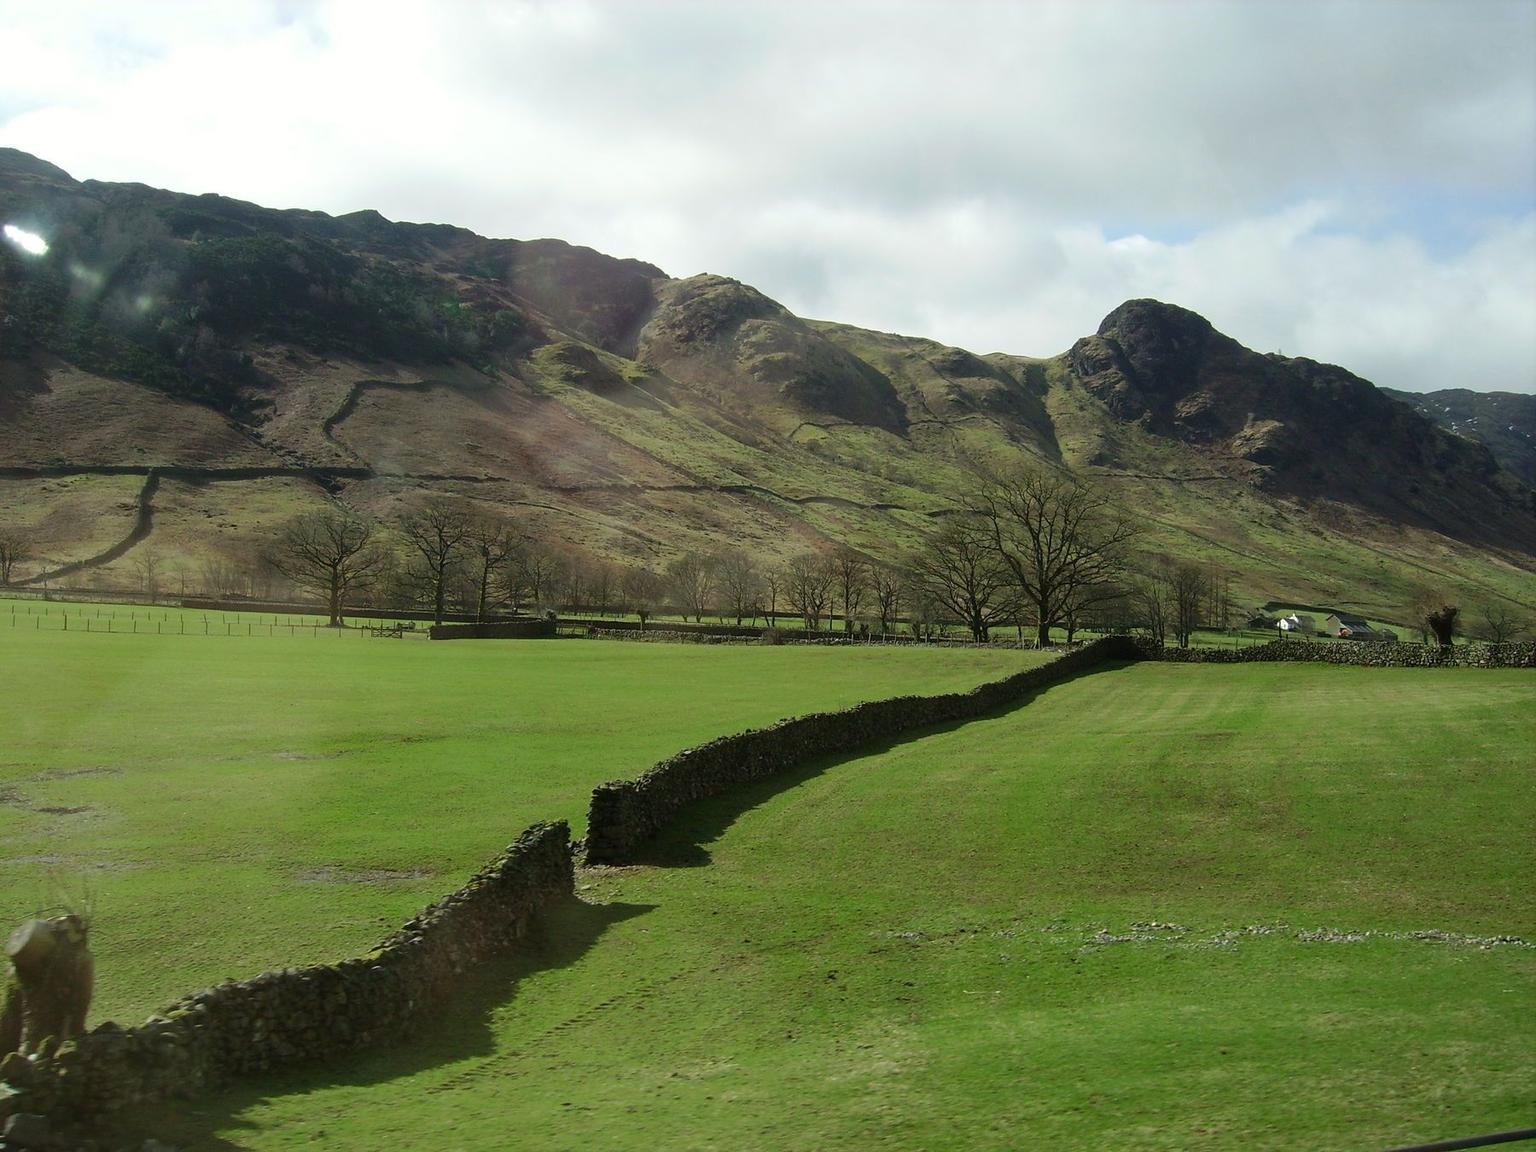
(70, 863)
(62, 809)
(361, 875)
(71, 773)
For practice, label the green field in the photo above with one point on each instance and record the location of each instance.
(233, 803)
(1150, 910)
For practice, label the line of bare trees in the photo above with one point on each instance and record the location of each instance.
(1033, 549)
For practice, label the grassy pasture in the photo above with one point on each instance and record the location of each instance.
(237, 803)
(1149, 910)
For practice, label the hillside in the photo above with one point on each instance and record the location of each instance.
(178, 374)
(1504, 422)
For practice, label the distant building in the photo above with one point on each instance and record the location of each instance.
(1301, 625)
(1349, 627)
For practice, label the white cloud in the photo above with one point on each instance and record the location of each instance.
(1350, 181)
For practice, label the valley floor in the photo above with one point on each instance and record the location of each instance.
(1158, 907)
(226, 803)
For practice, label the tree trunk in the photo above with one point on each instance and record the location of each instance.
(55, 975)
(1043, 635)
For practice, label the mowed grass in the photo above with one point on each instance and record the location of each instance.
(230, 804)
(1081, 924)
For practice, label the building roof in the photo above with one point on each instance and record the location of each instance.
(1350, 620)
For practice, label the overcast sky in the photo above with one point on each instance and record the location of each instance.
(1354, 182)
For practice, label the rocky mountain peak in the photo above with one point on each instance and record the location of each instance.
(1161, 343)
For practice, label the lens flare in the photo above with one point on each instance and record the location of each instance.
(29, 242)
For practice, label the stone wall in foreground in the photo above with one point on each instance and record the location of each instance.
(301, 1015)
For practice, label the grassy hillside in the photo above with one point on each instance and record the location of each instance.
(232, 804)
(272, 362)
(1260, 907)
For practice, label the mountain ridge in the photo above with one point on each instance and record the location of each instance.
(607, 402)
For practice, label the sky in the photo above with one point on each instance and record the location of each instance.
(1353, 182)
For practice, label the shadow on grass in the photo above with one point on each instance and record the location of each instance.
(465, 1029)
(682, 843)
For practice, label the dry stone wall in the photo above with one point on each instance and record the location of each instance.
(1366, 654)
(505, 630)
(300, 1015)
(626, 813)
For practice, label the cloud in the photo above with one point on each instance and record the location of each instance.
(1349, 181)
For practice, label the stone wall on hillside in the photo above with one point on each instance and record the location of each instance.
(301, 1015)
(505, 630)
(626, 813)
(1360, 653)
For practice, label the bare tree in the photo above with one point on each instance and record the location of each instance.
(1218, 598)
(14, 549)
(1425, 602)
(922, 610)
(809, 581)
(491, 547)
(571, 575)
(535, 571)
(886, 584)
(958, 569)
(741, 584)
(1500, 626)
(641, 589)
(602, 586)
(146, 563)
(1443, 623)
(332, 553)
(772, 587)
(1154, 601)
(1060, 539)
(1082, 603)
(439, 534)
(220, 576)
(691, 580)
(1190, 587)
(852, 580)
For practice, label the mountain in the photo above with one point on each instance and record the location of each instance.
(179, 374)
(1504, 422)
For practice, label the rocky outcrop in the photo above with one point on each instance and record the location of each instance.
(723, 336)
(1503, 422)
